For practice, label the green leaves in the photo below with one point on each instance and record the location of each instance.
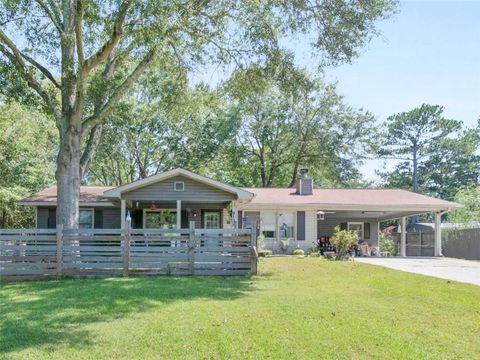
(437, 153)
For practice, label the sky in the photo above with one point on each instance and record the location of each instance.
(427, 53)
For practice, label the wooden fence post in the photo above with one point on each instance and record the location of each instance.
(126, 247)
(59, 250)
(253, 252)
(191, 247)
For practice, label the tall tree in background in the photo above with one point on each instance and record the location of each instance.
(27, 160)
(286, 125)
(78, 58)
(436, 154)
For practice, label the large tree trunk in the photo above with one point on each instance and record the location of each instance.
(68, 177)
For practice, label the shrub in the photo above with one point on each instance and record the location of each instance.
(298, 252)
(264, 253)
(343, 240)
(261, 242)
(386, 244)
(314, 254)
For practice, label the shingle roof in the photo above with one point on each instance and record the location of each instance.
(287, 196)
(356, 197)
(87, 194)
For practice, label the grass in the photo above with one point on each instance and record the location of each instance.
(303, 308)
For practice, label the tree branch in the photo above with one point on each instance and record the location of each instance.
(99, 115)
(90, 149)
(107, 48)
(79, 32)
(51, 14)
(42, 69)
(15, 56)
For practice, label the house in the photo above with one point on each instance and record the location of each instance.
(293, 217)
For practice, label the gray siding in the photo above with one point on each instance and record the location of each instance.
(110, 218)
(194, 191)
(326, 227)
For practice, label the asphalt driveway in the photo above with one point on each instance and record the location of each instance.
(467, 271)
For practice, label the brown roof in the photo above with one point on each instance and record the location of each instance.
(87, 194)
(286, 196)
(343, 197)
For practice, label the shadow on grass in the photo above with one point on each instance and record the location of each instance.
(51, 312)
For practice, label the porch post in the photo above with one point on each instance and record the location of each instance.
(123, 212)
(438, 234)
(179, 214)
(234, 214)
(403, 237)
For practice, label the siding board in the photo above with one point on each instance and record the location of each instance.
(194, 191)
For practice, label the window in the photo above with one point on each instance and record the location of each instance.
(160, 219)
(211, 220)
(357, 227)
(269, 234)
(179, 186)
(86, 219)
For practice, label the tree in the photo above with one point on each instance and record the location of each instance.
(28, 144)
(78, 58)
(470, 199)
(437, 155)
(155, 135)
(288, 126)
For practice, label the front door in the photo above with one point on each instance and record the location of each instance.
(211, 219)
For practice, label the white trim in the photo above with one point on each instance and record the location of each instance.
(179, 214)
(36, 217)
(118, 191)
(178, 182)
(362, 237)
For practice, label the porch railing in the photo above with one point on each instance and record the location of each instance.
(40, 253)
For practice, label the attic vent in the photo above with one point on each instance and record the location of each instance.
(179, 186)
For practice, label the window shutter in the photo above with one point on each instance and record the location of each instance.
(300, 225)
(240, 219)
(52, 218)
(98, 219)
(366, 230)
(343, 226)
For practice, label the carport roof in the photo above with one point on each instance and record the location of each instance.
(350, 199)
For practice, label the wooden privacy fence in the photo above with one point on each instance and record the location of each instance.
(461, 243)
(39, 253)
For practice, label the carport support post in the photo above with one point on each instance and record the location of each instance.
(123, 213)
(403, 237)
(438, 234)
(179, 214)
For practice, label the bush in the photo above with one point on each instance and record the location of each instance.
(386, 244)
(343, 240)
(298, 252)
(314, 254)
(264, 253)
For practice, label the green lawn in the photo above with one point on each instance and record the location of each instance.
(296, 308)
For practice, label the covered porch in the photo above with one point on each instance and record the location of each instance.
(367, 225)
(178, 214)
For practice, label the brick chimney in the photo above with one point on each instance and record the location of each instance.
(304, 183)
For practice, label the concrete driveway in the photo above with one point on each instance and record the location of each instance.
(467, 271)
